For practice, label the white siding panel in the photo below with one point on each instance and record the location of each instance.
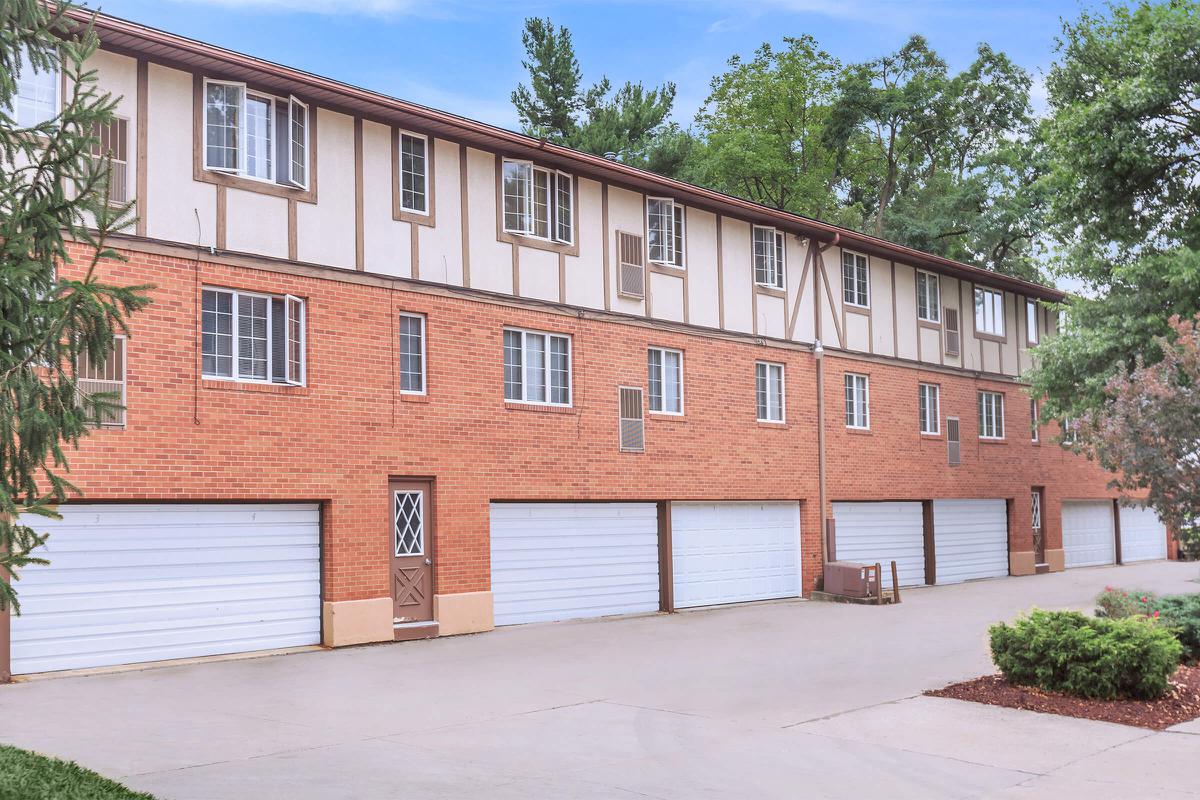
(1143, 535)
(558, 561)
(883, 532)
(734, 552)
(1088, 538)
(970, 539)
(134, 583)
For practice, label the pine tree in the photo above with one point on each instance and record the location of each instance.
(53, 194)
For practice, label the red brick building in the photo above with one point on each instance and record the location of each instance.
(444, 377)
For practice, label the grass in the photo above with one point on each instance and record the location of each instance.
(29, 776)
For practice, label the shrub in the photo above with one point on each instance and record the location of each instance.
(1180, 613)
(1118, 603)
(1065, 651)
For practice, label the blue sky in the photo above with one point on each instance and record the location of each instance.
(464, 56)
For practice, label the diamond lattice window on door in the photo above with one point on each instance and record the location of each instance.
(408, 524)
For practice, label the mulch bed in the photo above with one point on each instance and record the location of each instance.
(1180, 704)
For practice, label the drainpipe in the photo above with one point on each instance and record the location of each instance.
(819, 357)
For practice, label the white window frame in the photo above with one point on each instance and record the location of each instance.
(864, 283)
(553, 177)
(400, 134)
(424, 359)
(769, 366)
(1033, 334)
(1035, 509)
(777, 268)
(675, 249)
(53, 81)
(547, 335)
(989, 311)
(1034, 434)
(854, 377)
(292, 103)
(662, 366)
(933, 308)
(235, 368)
(932, 414)
(996, 400)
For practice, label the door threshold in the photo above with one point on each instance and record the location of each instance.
(408, 631)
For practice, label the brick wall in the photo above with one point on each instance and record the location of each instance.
(339, 439)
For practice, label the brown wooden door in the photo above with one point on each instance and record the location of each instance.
(411, 525)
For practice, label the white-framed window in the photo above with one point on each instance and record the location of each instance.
(245, 131)
(856, 280)
(989, 311)
(1035, 515)
(1033, 420)
(770, 263)
(36, 98)
(537, 367)
(858, 401)
(1070, 430)
(1032, 333)
(991, 415)
(412, 353)
(769, 391)
(538, 202)
(929, 407)
(929, 297)
(111, 141)
(414, 173)
(665, 370)
(105, 377)
(665, 231)
(248, 336)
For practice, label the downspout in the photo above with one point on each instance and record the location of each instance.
(819, 358)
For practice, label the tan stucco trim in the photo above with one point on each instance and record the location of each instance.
(357, 621)
(466, 612)
(143, 116)
(1022, 563)
(222, 217)
(293, 231)
(1056, 560)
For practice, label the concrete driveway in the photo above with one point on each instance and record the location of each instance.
(786, 700)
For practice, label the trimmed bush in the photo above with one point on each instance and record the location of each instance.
(1179, 613)
(1065, 651)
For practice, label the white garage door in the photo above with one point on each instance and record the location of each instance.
(133, 583)
(970, 539)
(1087, 529)
(734, 552)
(555, 561)
(1143, 535)
(883, 532)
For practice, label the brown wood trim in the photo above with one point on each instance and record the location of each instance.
(933, 326)
(648, 294)
(1116, 509)
(562, 278)
(659, 269)
(222, 217)
(666, 577)
(199, 173)
(516, 239)
(930, 544)
(516, 269)
(720, 277)
(398, 213)
(293, 231)
(770, 291)
(605, 248)
(859, 310)
(686, 249)
(143, 146)
(464, 210)
(414, 250)
(790, 331)
(360, 256)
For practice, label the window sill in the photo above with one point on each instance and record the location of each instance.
(528, 240)
(985, 440)
(659, 268)
(860, 431)
(934, 437)
(930, 324)
(665, 416)
(264, 388)
(998, 338)
(855, 308)
(770, 291)
(539, 408)
(406, 397)
(766, 423)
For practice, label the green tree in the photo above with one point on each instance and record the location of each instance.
(763, 129)
(53, 192)
(1149, 434)
(1123, 188)
(554, 106)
